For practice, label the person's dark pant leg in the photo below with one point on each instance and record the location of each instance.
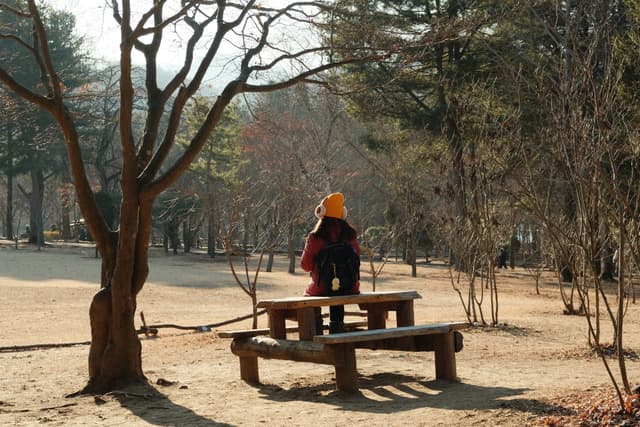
(336, 317)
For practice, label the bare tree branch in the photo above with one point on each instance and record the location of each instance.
(24, 92)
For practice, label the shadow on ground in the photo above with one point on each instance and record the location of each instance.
(399, 393)
(157, 409)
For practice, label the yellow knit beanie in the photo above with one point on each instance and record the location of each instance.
(332, 206)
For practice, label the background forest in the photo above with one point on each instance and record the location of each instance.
(485, 126)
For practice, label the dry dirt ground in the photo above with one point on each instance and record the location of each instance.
(514, 375)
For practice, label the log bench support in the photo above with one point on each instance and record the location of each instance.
(339, 350)
(342, 357)
(345, 367)
(445, 356)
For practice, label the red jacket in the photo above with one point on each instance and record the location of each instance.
(311, 248)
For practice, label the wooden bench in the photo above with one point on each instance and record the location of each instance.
(339, 349)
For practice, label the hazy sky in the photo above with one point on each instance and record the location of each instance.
(95, 23)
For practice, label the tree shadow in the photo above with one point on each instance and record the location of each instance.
(154, 407)
(398, 393)
(507, 329)
(81, 265)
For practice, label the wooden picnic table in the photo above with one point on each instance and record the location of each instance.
(306, 310)
(338, 350)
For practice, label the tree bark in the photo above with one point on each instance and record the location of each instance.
(115, 358)
(211, 235)
(35, 202)
(115, 353)
(8, 232)
(66, 224)
(187, 236)
(270, 259)
(607, 266)
(291, 248)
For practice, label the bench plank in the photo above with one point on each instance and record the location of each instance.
(361, 298)
(348, 326)
(381, 334)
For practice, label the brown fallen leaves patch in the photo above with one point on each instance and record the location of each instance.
(591, 408)
(607, 350)
(597, 406)
(610, 350)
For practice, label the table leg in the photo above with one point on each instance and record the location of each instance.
(249, 369)
(307, 322)
(376, 318)
(277, 327)
(404, 313)
(445, 357)
(345, 365)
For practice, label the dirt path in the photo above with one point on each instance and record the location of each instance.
(510, 376)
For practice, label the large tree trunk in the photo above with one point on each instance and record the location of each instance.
(211, 235)
(35, 200)
(607, 267)
(291, 248)
(8, 231)
(115, 355)
(171, 238)
(270, 259)
(211, 228)
(456, 176)
(66, 224)
(412, 253)
(187, 236)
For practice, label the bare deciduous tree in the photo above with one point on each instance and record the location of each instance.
(587, 139)
(207, 31)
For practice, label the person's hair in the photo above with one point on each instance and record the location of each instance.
(326, 223)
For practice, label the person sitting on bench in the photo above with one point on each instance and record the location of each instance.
(332, 257)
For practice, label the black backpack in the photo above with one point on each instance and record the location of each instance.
(338, 267)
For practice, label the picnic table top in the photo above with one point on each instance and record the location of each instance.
(361, 298)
